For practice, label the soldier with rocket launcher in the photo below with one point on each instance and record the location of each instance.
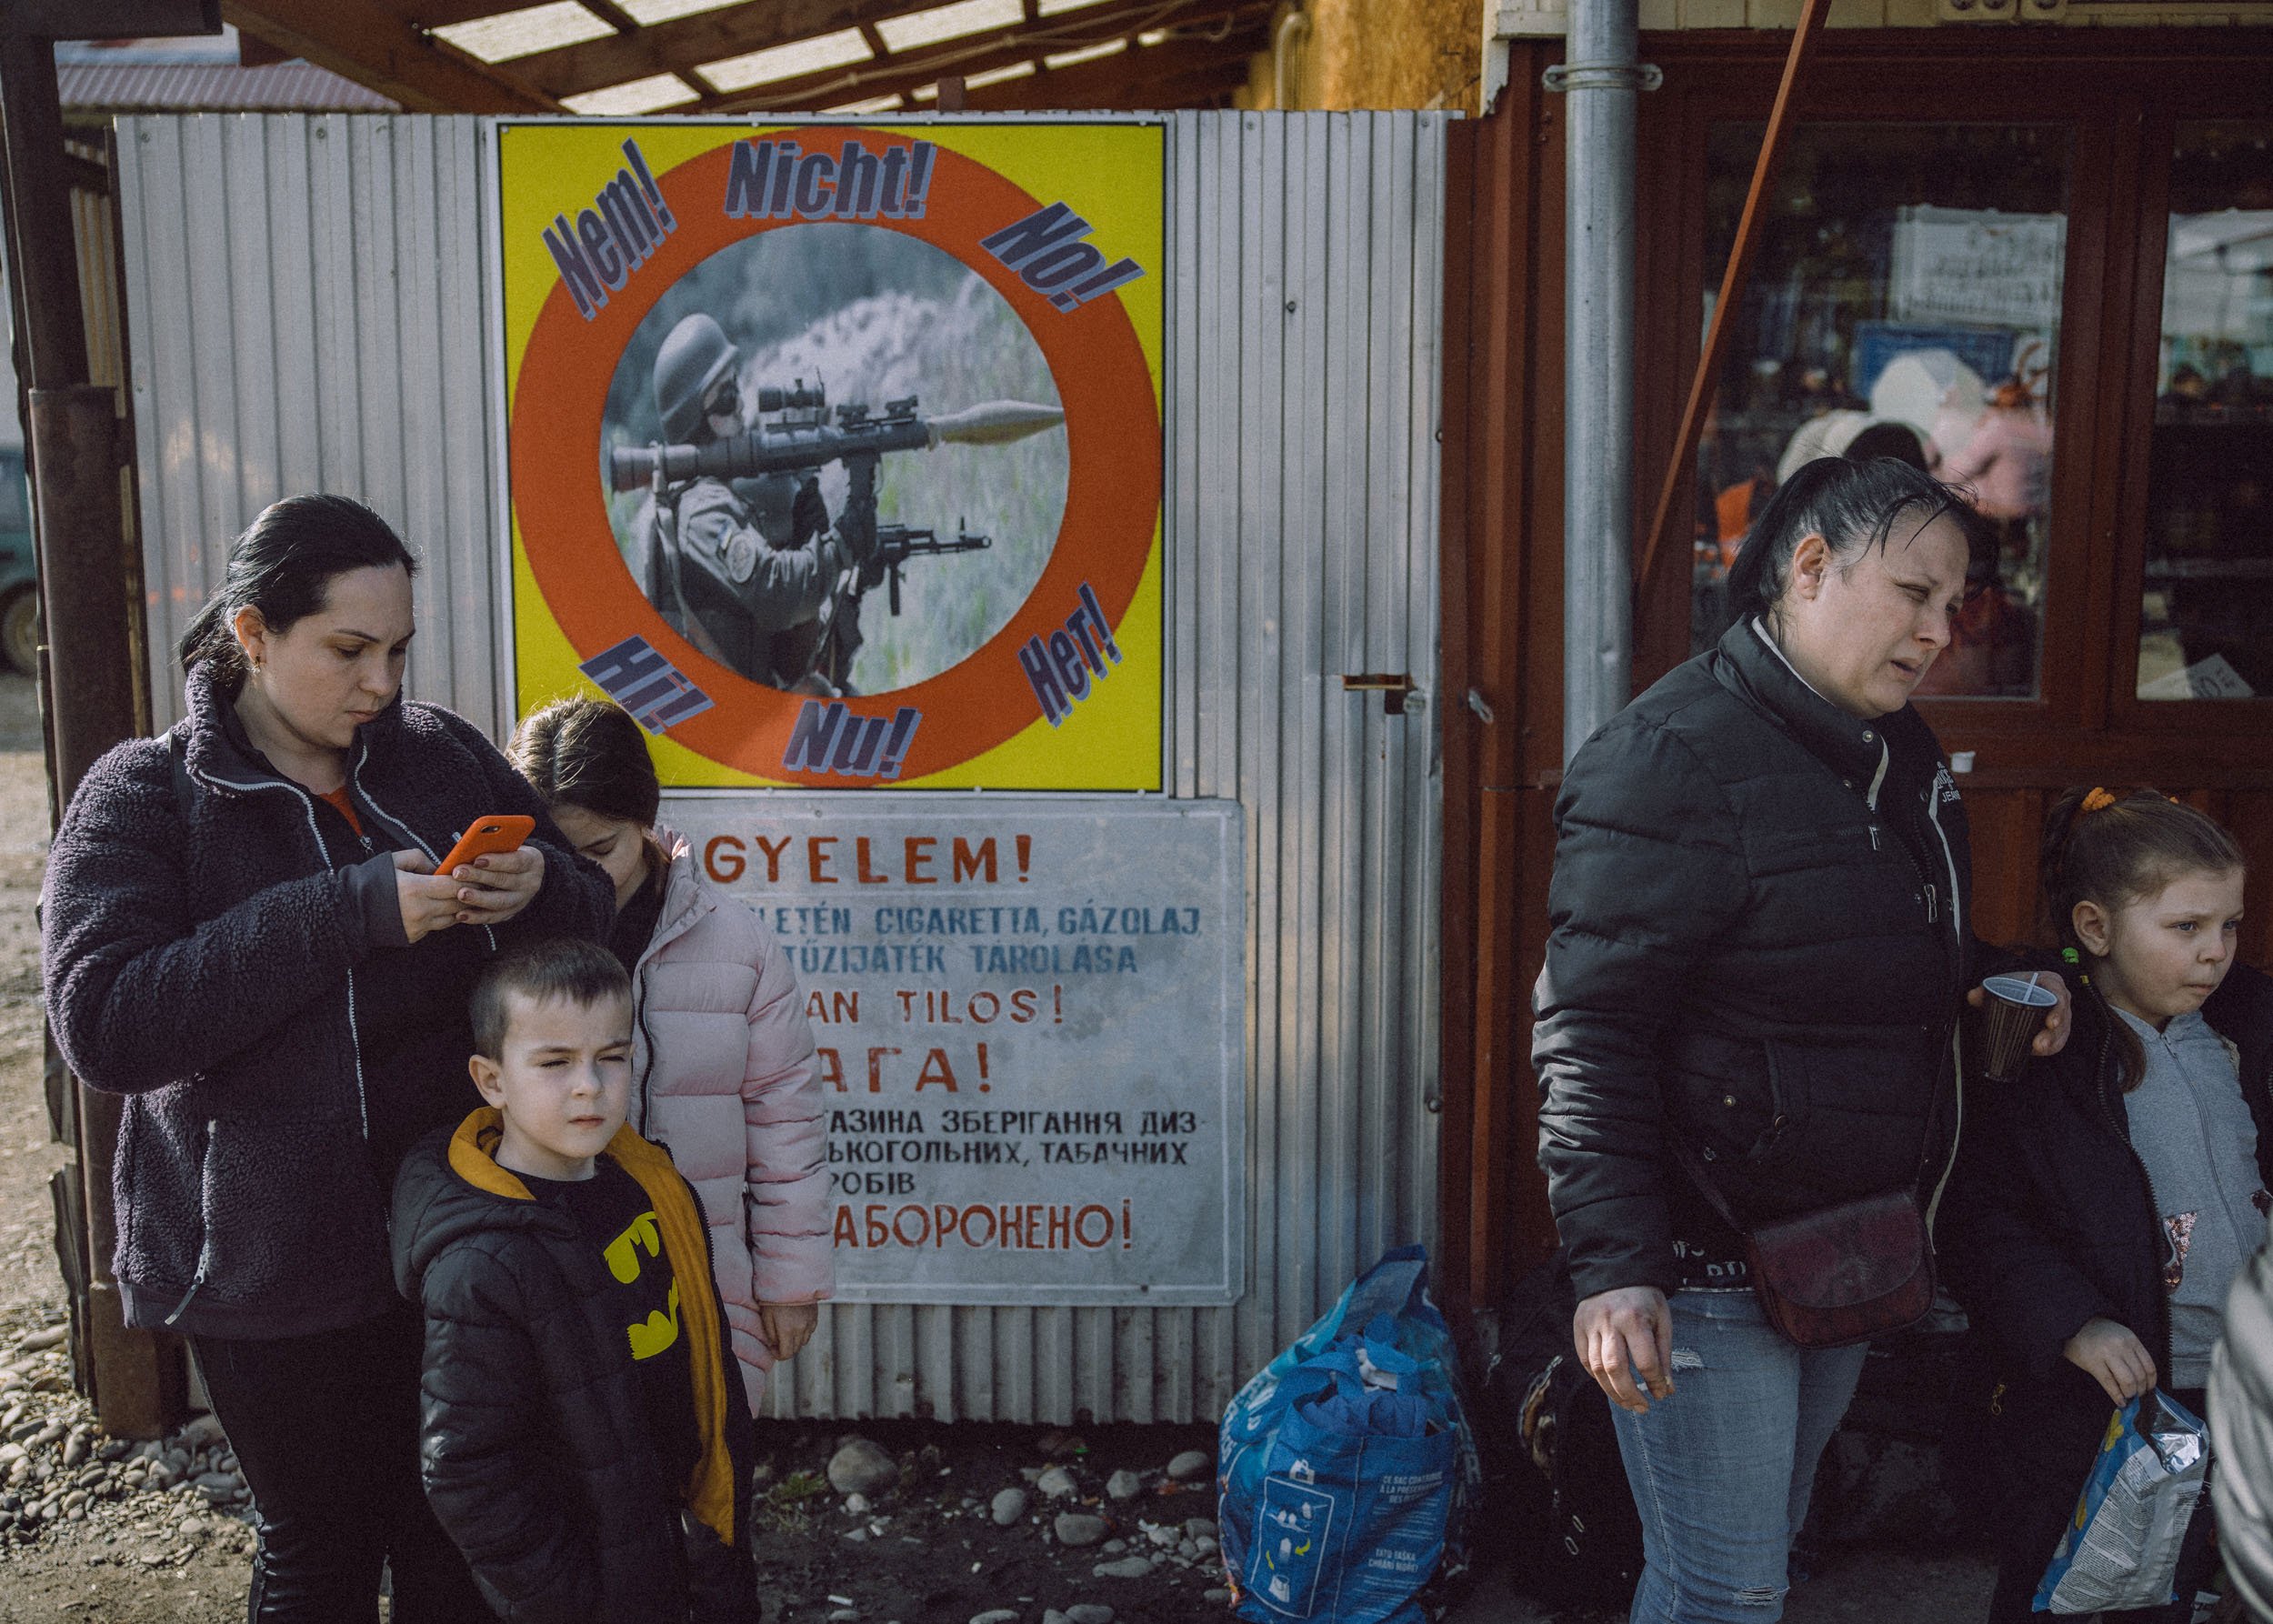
(735, 549)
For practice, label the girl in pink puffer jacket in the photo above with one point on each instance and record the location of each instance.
(722, 1058)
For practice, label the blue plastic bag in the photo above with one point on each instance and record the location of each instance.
(1347, 1465)
(2121, 1547)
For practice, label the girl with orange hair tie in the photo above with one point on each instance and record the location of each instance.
(2104, 1201)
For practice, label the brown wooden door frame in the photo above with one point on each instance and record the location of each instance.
(1503, 513)
(2248, 722)
(1502, 643)
(2117, 93)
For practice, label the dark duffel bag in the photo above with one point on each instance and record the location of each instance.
(1553, 1455)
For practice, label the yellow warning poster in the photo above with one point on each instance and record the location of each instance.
(834, 451)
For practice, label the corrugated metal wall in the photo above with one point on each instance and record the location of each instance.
(307, 308)
(305, 305)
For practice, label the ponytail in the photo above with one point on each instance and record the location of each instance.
(2114, 847)
(588, 753)
(1853, 505)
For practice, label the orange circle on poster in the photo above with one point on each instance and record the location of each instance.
(1112, 489)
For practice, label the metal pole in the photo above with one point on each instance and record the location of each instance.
(86, 620)
(1604, 81)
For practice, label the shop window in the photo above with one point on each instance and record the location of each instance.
(1905, 300)
(2206, 608)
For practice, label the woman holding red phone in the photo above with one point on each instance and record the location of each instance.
(245, 933)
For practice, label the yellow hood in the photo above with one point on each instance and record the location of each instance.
(709, 1491)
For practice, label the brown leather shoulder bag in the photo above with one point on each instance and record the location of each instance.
(1844, 1275)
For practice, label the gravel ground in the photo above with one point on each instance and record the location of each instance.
(955, 1523)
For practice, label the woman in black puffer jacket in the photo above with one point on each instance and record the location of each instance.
(1759, 946)
(244, 935)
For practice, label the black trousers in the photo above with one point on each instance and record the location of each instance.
(2037, 1516)
(326, 1428)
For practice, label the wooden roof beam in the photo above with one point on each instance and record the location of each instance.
(1125, 80)
(369, 42)
(685, 43)
(677, 45)
(113, 19)
(1209, 86)
(976, 55)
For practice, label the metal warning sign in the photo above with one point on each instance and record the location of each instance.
(1031, 1022)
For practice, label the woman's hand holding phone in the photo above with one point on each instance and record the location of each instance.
(488, 877)
(492, 890)
(429, 902)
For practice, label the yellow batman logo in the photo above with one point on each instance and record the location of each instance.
(623, 1259)
(658, 1331)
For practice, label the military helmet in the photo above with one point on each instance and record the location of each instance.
(693, 358)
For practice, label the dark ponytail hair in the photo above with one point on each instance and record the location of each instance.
(1853, 505)
(283, 565)
(588, 753)
(2114, 847)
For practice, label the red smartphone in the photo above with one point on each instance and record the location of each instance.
(487, 838)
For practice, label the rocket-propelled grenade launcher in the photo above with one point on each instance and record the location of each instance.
(802, 440)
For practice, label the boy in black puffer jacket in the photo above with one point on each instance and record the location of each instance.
(575, 1407)
(2105, 1198)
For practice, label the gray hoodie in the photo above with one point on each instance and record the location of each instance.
(2193, 1130)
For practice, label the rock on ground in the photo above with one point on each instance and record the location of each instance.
(861, 1467)
(1078, 1528)
(1009, 1506)
(1057, 1483)
(1124, 1485)
(1192, 1463)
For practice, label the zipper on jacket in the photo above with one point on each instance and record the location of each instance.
(307, 807)
(1949, 857)
(646, 1070)
(2154, 1201)
(1956, 955)
(355, 777)
(205, 1228)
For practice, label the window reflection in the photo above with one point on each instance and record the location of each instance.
(2206, 613)
(1904, 301)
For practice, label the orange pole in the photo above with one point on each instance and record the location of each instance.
(1780, 119)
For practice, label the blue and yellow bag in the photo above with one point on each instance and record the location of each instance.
(1347, 1465)
(2121, 1547)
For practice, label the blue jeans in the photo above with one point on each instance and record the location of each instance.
(1722, 1471)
